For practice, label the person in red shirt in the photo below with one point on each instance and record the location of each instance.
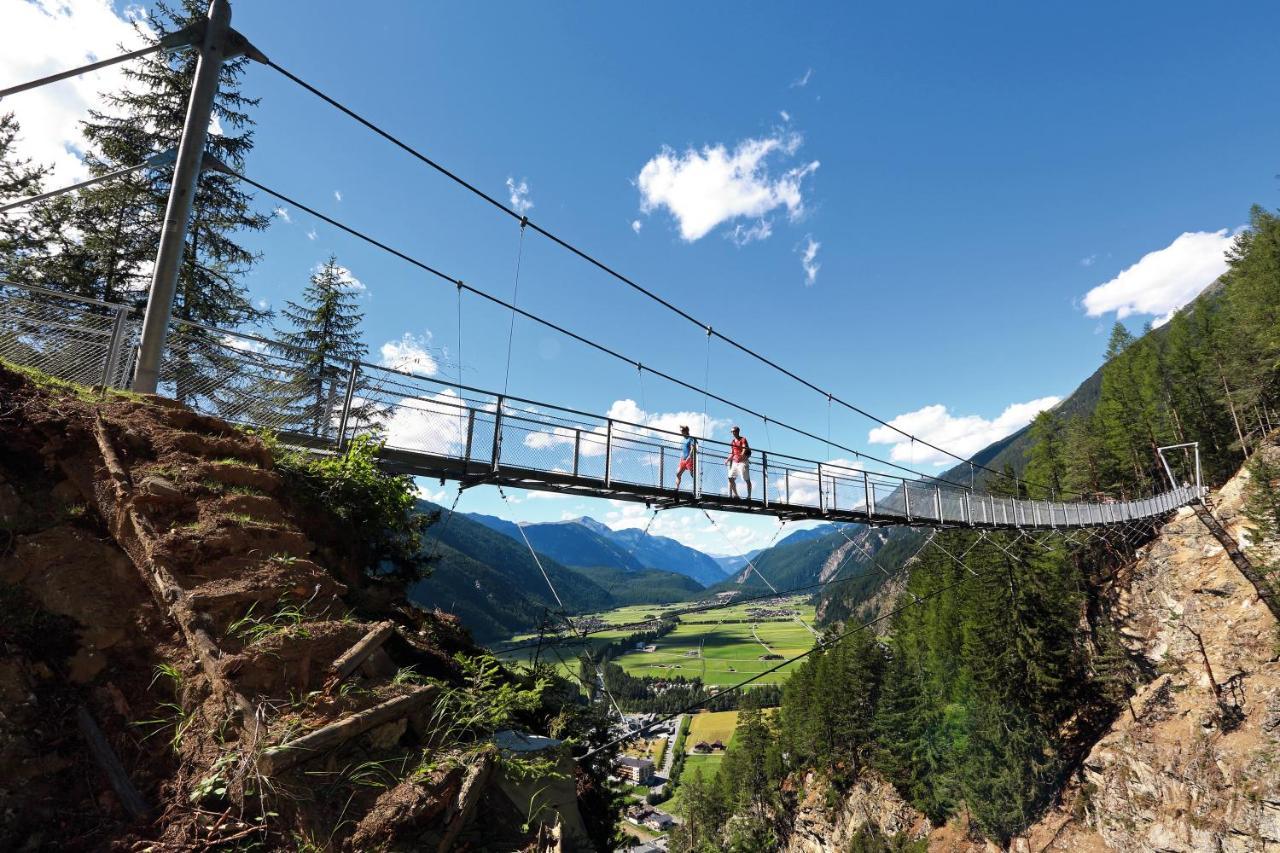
(739, 453)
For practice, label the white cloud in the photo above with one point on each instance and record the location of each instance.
(40, 37)
(263, 304)
(801, 82)
(703, 189)
(963, 435)
(411, 353)
(700, 425)
(337, 195)
(347, 279)
(1089, 261)
(282, 212)
(786, 116)
(311, 234)
(636, 225)
(423, 491)
(435, 425)
(519, 195)
(809, 260)
(243, 344)
(741, 234)
(1163, 281)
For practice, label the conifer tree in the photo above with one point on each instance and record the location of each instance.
(24, 236)
(322, 340)
(118, 222)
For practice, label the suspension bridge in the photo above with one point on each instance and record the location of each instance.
(429, 427)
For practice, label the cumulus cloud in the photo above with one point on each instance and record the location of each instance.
(809, 260)
(786, 116)
(962, 435)
(636, 225)
(519, 196)
(423, 491)
(705, 188)
(803, 80)
(435, 424)
(281, 212)
(311, 234)
(410, 353)
(1089, 261)
(40, 37)
(1163, 281)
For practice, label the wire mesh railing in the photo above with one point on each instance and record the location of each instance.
(448, 429)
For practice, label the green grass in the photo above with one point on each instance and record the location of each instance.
(710, 727)
(719, 646)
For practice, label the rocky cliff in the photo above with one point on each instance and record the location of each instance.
(1193, 766)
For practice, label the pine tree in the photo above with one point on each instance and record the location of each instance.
(1046, 464)
(24, 235)
(322, 340)
(119, 221)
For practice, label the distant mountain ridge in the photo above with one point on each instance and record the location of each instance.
(587, 543)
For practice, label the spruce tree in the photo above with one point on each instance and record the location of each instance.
(119, 221)
(24, 235)
(322, 340)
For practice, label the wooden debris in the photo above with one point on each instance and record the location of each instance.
(106, 758)
(326, 738)
(473, 785)
(351, 659)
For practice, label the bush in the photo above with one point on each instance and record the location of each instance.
(375, 510)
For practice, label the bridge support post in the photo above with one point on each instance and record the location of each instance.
(346, 405)
(608, 452)
(764, 477)
(471, 431)
(111, 364)
(870, 499)
(577, 449)
(937, 502)
(182, 193)
(820, 496)
(906, 499)
(496, 457)
(968, 509)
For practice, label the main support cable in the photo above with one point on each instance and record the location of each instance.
(753, 568)
(603, 267)
(720, 605)
(85, 69)
(155, 161)
(563, 614)
(462, 285)
(824, 644)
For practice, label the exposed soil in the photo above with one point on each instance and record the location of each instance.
(154, 572)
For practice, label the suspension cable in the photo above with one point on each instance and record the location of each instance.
(704, 608)
(151, 162)
(566, 332)
(819, 646)
(84, 69)
(610, 271)
(754, 569)
(515, 293)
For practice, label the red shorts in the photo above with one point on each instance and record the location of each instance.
(685, 465)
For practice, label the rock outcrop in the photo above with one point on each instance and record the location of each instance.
(1196, 766)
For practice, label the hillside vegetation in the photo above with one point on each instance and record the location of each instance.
(988, 690)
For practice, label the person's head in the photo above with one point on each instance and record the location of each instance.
(735, 432)
(684, 430)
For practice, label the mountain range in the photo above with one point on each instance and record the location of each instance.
(586, 543)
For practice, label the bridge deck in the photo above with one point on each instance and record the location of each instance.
(432, 428)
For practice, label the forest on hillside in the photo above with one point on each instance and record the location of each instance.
(989, 682)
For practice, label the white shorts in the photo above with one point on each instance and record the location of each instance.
(739, 469)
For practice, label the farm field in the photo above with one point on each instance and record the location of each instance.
(710, 727)
(721, 646)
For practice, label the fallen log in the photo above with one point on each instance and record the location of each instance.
(278, 758)
(106, 758)
(351, 659)
(469, 794)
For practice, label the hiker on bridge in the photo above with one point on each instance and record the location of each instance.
(739, 453)
(687, 455)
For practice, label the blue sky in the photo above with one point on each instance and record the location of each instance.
(934, 210)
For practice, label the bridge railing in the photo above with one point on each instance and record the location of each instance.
(255, 381)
